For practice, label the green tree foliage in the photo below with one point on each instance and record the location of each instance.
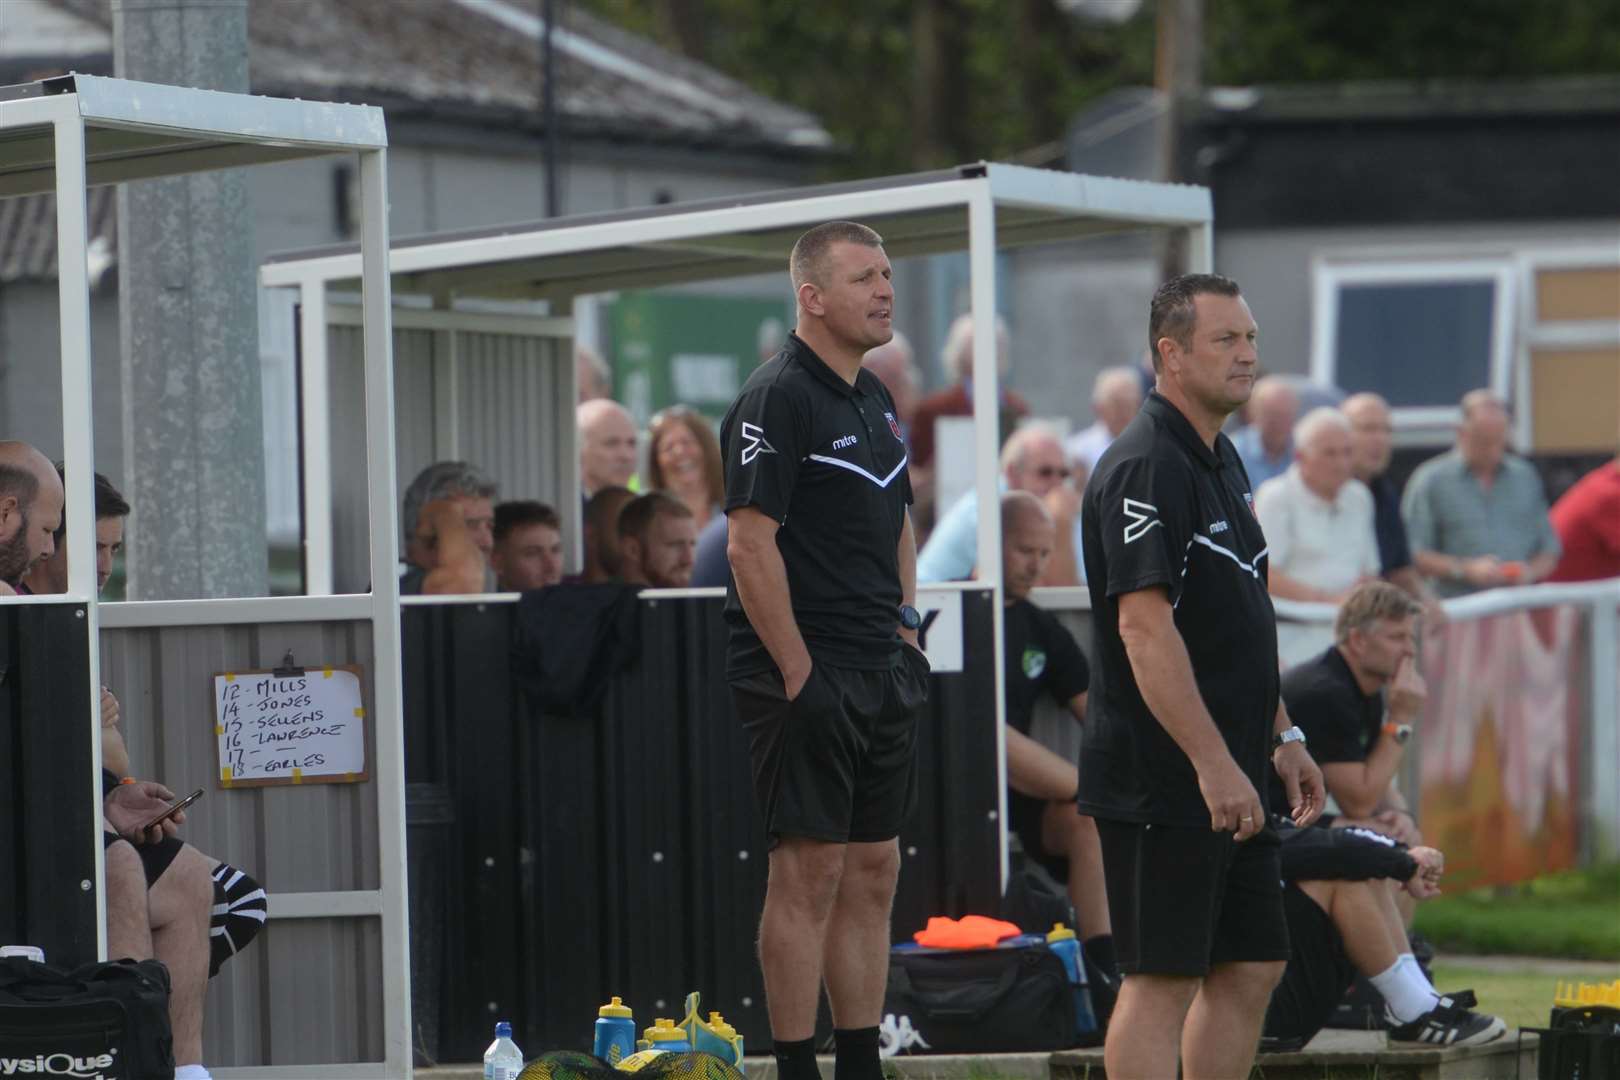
(913, 84)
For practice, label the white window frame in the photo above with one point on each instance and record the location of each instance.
(1537, 333)
(1417, 425)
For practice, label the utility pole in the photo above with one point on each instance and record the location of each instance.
(188, 322)
(1178, 75)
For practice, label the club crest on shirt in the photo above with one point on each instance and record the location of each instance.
(1034, 662)
(1249, 499)
(894, 426)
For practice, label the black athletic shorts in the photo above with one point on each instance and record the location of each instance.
(1319, 972)
(155, 858)
(1183, 899)
(839, 762)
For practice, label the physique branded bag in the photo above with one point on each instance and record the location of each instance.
(1013, 997)
(98, 1022)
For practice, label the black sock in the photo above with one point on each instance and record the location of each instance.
(857, 1055)
(796, 1060)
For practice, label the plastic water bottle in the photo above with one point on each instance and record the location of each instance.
(664, 1035)
(503, 1060)
(1063, 942)
(615, 1033)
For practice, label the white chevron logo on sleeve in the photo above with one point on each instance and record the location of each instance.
(1142, 517)
(754, 443)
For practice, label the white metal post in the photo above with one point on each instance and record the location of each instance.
(377, 305)
(1201, 247)
(1603, 757)
(78, 455)
(986, 463)
(315, 416)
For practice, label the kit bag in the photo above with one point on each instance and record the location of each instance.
(1013, 997)
(98, 1022)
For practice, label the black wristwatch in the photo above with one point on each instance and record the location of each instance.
(1292, 734)
(910, 617)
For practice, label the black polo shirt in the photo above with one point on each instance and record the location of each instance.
(1042, 657)
(827, 461)
(1339, 721)
(1394, 552)
(1164, 510)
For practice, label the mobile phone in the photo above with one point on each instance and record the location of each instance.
(173, 808)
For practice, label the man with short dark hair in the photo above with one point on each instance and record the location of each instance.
(823, 659)
(601, 529)
(448, 521)
(50, 575)
(657, 537)
(1184, 718)
(527, 552)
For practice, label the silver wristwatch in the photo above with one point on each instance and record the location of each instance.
(1292, 734)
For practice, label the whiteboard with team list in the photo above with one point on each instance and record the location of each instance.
(290, 726)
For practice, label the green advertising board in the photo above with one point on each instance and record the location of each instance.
(687, 349)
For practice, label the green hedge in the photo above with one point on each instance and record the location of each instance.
(1574, 916)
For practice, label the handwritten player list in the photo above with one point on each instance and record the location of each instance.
(289, 728)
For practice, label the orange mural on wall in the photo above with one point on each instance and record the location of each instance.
(1500, 747)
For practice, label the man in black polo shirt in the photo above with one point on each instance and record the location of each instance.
(823, 659)
(1185, 716)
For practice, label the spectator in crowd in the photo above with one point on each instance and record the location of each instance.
(1042, 658)
(957, 399)
(1317, 518)
(1033, 461)
(602, 559)
(1266, 445)
(591, 374)
(1342, 921)
(528, 546)
(449, 524)
(893, 365)
(1357, 704)
(683, 460)
(1116, 394)
(1587, 519)
(30, 512)
(1477, 515)
(607, 445)
(1371, 446)
(657, 538)
(710, 567)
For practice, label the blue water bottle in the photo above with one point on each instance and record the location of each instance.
(615, 1032)
(1063, 942)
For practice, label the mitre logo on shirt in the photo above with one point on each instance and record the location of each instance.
(1139, 518)
(754, 443)
(894, 426)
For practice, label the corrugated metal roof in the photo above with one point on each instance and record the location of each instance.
(485, 55)
(28, 234)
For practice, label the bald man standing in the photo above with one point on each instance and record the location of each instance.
(607, 445)
(30, 512)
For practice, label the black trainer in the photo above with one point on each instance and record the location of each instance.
(1449, 1024)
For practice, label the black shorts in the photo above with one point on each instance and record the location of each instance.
(1183, 899)
(839, 762)
(1319, 972)
(155, 858)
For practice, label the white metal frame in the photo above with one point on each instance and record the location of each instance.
(162, 130)
(1125, 202)
(1329, 273)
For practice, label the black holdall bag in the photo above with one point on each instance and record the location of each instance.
(98, 1022)
(1012, 997)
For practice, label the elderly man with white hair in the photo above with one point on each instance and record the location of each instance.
(1318, 519)
(1032, 460)
(957, 399)
(1116, 394)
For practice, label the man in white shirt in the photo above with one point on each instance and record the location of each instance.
(1317, 518)
(1116, 394)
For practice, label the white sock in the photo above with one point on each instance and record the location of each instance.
(191, 1072)
(1406, 959)
(1406, 992)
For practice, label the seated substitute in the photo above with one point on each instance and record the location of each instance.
(528, 546)
(448, 520)
(1342, 920)
(1042, 657)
